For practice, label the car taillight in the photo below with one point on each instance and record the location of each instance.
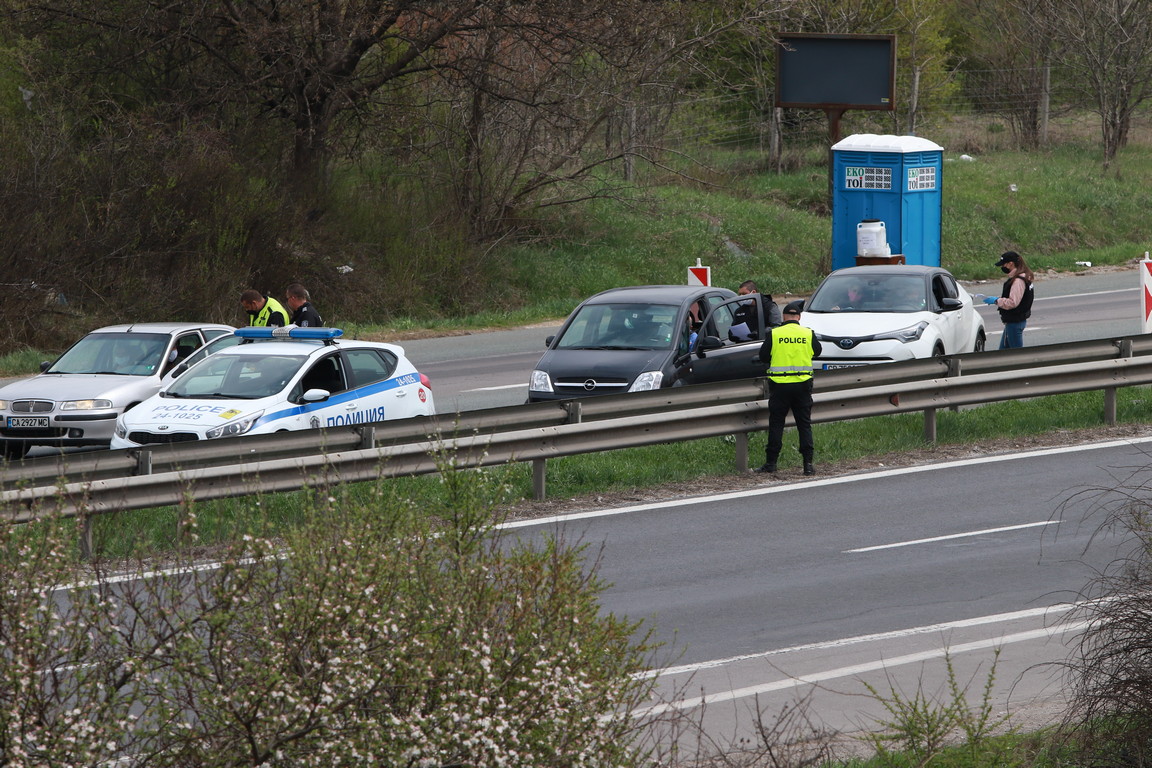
(424, 380)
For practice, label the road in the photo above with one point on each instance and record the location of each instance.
(812, 588)
(488, 370)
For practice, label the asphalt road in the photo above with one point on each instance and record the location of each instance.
(809, 589)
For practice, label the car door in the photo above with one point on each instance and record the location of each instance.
(326, 373)
(955, 324)
(381, 397)
(721, 353)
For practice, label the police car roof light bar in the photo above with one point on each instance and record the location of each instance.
(252, 333)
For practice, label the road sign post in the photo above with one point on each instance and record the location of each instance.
(699, 274)
(1146, 293)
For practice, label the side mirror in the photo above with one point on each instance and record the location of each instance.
(316, 395)
(179, 370)
(548, 341)
(950, 305)
(45, 365)
(705, 344)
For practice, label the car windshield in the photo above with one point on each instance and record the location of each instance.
(123, 354)
(236, 377)
(872, 293)
(621, 326)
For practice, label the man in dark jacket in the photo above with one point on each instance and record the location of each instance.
(304, 315)
(745, 320)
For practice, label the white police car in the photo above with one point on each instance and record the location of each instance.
(293, 378)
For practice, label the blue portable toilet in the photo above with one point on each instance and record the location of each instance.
(889, 179)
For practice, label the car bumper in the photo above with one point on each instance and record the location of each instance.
(82, 429)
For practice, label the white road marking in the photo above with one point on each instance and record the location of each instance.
(493, 389)
(949, 536)
(1046, 612)
(857, 669)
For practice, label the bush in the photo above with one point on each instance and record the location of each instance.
(365, 637)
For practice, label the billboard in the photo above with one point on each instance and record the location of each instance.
(836, 71)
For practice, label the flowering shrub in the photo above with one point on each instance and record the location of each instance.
(366, 637)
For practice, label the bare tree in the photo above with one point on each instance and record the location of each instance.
(1108, 50)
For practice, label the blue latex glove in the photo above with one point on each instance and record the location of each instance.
(989, 299)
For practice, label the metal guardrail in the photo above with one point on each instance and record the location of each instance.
(88, 484)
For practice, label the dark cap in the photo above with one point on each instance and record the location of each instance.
(793, 308)
(1008, 257)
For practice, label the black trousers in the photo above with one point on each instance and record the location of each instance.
(796, 397)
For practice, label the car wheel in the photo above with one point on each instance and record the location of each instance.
(938, 350)
(15, 449)
(980, 341)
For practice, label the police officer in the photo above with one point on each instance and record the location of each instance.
(304, 314)
(263, 310)
(788, 350)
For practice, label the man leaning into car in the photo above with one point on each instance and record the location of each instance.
(788, 350)
(263, 310)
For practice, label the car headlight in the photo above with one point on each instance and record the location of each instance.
(233, 428)
(3, 405)
(906, 335)
(121, 430)
(85, 405)
(540, 382)
(647, 381)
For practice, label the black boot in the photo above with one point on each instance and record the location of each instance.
(808, 468)
(766, 468)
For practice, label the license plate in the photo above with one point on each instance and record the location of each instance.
(27, 422)
(832, 366)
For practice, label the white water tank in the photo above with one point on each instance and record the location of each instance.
(872, 238)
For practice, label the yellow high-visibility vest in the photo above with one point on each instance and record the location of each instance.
(791, 354)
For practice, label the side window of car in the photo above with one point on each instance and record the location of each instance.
(326, 373)
(943, 287)
(368, 366)
(720, 320)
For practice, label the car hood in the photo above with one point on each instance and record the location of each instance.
(121, 390)
(600, 363)
(857, 324)
(183, 414)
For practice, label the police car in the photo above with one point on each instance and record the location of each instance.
(306, 379)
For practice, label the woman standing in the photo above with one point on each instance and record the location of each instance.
(1015, 302)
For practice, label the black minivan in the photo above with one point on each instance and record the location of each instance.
(648, 337)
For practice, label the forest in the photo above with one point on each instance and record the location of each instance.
(161, 158)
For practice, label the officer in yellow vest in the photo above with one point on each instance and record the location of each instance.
(263, 310)
(788, 350)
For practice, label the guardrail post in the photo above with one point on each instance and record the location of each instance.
(143, 462)
(930, 425)
(86, 538)
(575, 412)
(953, 367)
(367, 437)
(1110, 406)
(539, 467)
(742, 451)
(1125, 347)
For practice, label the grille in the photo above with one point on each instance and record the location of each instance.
(32, 406)
(153, 438)
(592, 384)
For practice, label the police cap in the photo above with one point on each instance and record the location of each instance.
(794, 308)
